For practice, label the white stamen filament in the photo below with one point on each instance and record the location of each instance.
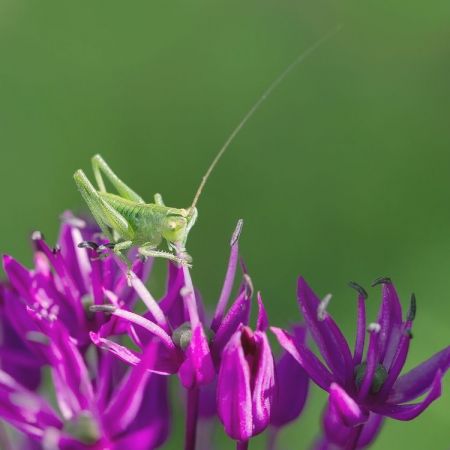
(147, 324)
(374, 327)
(322, 308)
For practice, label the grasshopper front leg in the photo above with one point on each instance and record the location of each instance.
(119, 250)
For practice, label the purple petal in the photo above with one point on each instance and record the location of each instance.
(411, 411)
(18, 275)
(107, 368)
(24, 409)
(373, 358)
(238, 314)
(262, 322)
(76, 259)
(234, 397)
(122, 352)
(147, 325)
(172, 303)
(345, 437)
(398, 361)
(70, 374)
(55, 439)
(198, 368)
(419, 380)
(128, 395)
(291, 391)
(370, 430)
(18, 318)
(361, 331)
(15, 357)
(166, 364)
(263, 383)
(229, 278)
(142, 439)
(349, 411)
(69, 288)
(310, 363)
(390, 320)
(153, 418)
(326, 333)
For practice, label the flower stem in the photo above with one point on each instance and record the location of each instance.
(191, 419)
(242, 445)
(272, 437)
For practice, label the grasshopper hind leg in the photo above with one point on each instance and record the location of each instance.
(99, 165)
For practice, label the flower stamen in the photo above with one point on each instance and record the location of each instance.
(322, 308)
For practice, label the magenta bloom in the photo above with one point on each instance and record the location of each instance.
(101, 403)
(189, 344)
(363, 386)
(246, 381)
(179, 324)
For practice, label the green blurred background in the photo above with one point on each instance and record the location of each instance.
(342, 175)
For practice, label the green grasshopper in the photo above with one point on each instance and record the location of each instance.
(127, 221)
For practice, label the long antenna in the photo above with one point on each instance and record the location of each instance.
(256, 106)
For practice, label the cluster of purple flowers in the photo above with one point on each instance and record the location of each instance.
(82, 369)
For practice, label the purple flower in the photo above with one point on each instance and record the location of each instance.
(190, 345)
(101, 403)
(246, 381)
(66, 280)
(92, 415)
(178, 322)
(364, 387)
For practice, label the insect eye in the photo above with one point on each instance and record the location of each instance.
(172, 225)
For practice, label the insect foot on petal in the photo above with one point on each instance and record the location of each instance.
(88, 244)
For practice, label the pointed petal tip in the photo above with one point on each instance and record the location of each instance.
(95, 338)
(361, 291)
(262, 320)
(302, 286)
(350, 411)
(6, 258)
(381, 280)
(237, 232)
(412, 308)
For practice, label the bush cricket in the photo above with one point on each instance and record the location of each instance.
(128, 221)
